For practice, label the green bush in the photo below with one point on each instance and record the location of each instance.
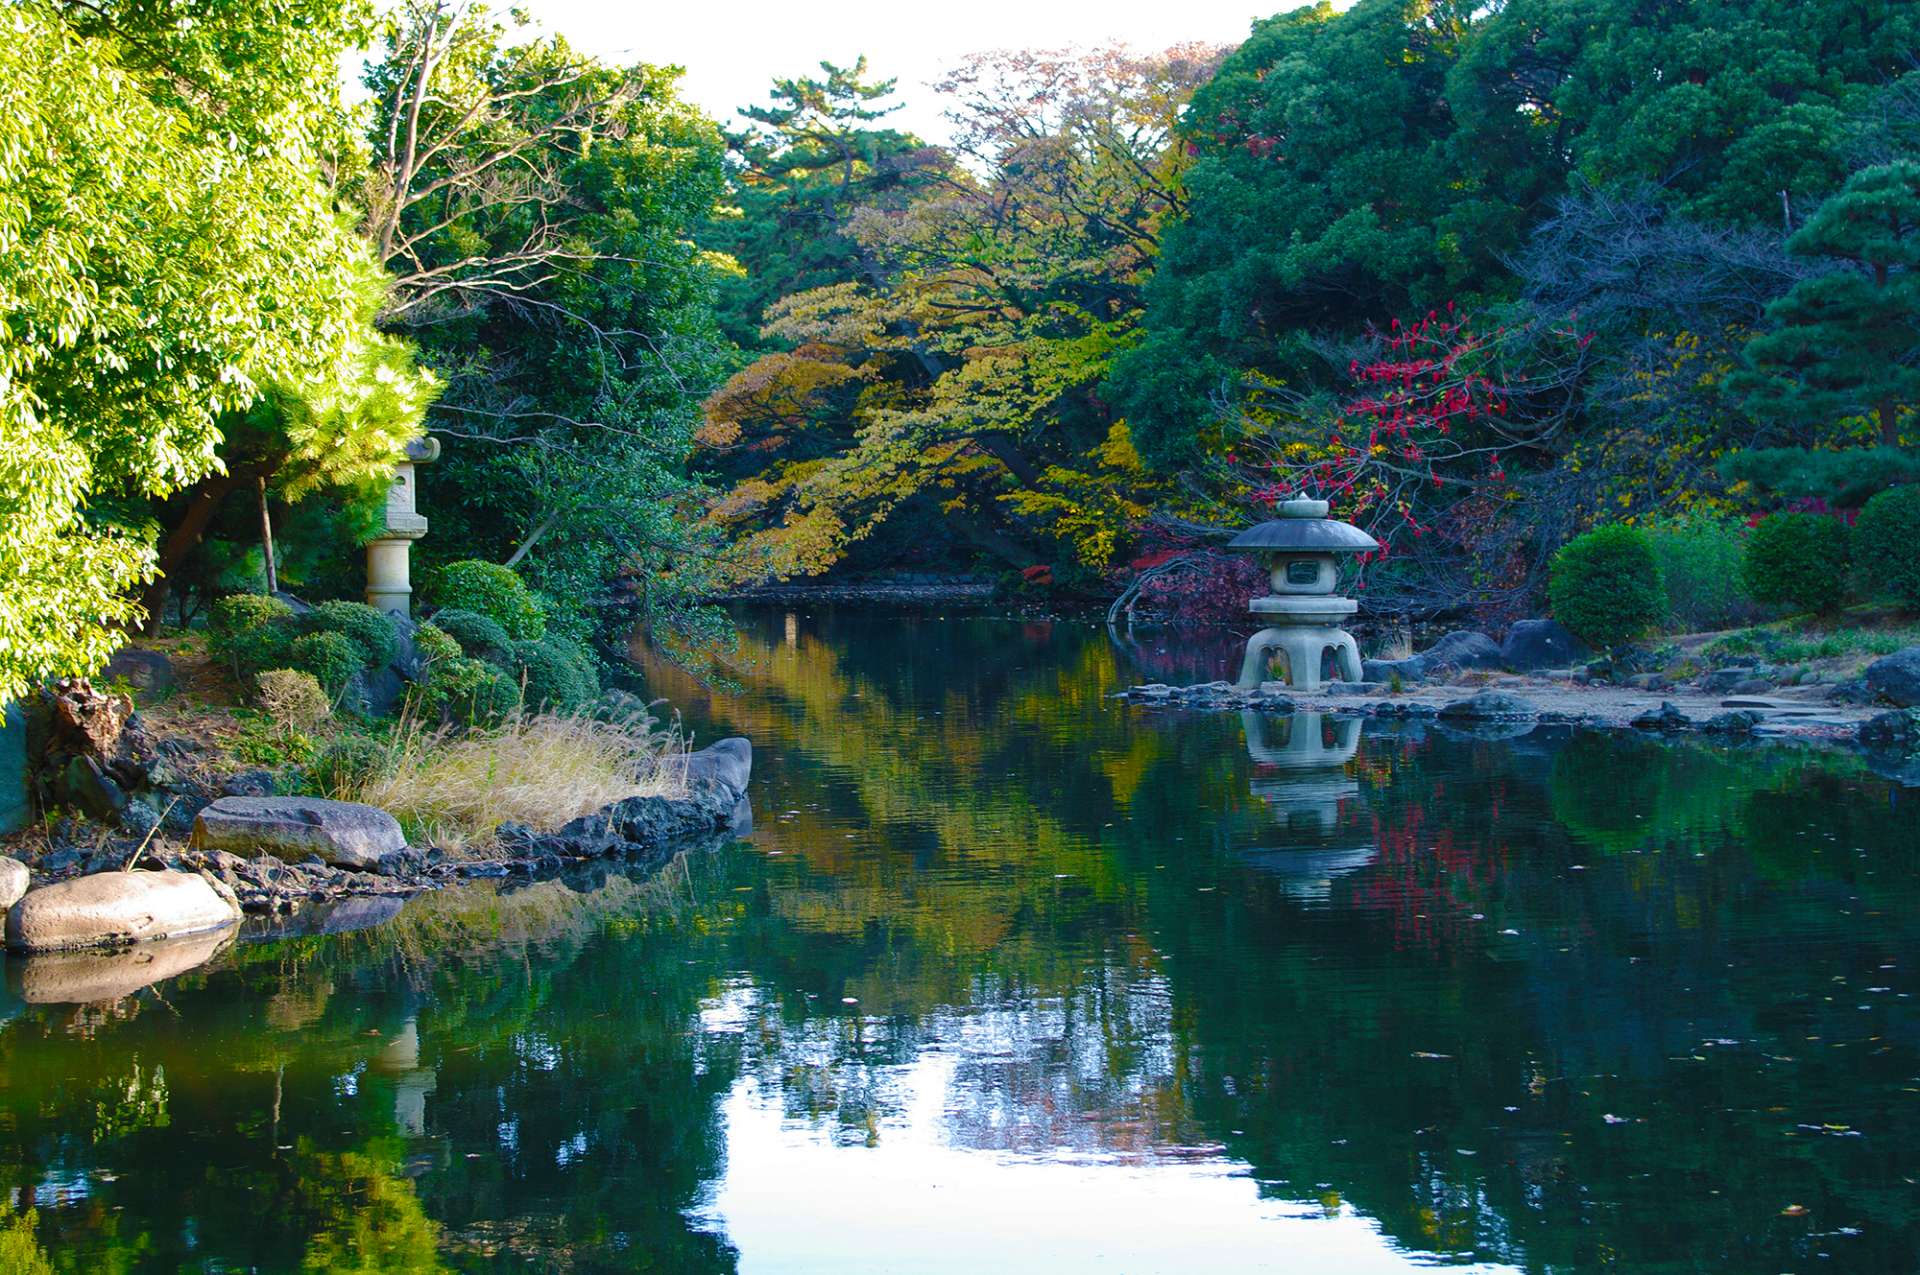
(332, 658)
(249, 632)
(435, 643)
(477, 635)
(370, 629)
(1699, 556)
(347, 765)
(1886, 543)
(1799, 560)
(1605, 585)
(292, 698)
(465, 690)
(495, 592)
(557, 674)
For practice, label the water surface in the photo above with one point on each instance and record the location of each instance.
(1012, 977)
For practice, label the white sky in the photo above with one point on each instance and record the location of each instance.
(732, 50)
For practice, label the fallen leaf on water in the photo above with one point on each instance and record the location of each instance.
(1794, 1210)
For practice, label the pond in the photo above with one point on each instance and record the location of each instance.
(1012, 977)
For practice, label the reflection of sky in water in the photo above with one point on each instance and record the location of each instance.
(793, 1200)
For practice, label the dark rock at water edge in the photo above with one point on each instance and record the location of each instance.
(1458, 651)
(1538, 644)
(1896, 678)
(1665, 717)
(1897, 731)
(1491, 706)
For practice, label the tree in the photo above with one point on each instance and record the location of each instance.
(1847, 343)
(537, 209)
(950, 383)
(171, 256)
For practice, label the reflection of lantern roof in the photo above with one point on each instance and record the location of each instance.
(1303, 526)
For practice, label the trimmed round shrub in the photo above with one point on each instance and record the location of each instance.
(1799, 560)
(347, 765)
(477, 635)
(1886, 543)
(557, 674)
(466, 691)
(291, 698)
(370, 629)
(1699, 557)
(332, 658)
(249, 632)
(1605, 585)
(435, 643)
(495, 592)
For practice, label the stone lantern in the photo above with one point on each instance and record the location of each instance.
(1302, 613)
(388, 584)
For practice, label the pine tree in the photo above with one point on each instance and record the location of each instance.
(1847, 343)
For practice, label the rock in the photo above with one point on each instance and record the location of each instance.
(88, 787)
(1896, 731)
(1647, 682)
(1896, 678)
(343, 833)
(1537, 644)
(1665, 717)
(64, 978)
(249, 783)
(728, 762)
(1738, 721)
(1459, 650)
(108, 909)
(16, 810)
(1750, 686)
(14, 879)
(1491, 706)
(1852, 691)
(149, 672)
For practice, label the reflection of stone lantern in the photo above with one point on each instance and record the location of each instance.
(1311, 751)
(388, 584)
(1304, 617)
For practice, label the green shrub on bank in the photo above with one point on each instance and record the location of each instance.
(249, 632)
(495, 592)
(1886, 543)
(557, 674)
(348, 764)
(466, 691)
(1699, 557)
(1605, 585)
(332, 658)
(434, 644)
(370, 629)
(478, 636)
(1799, 560)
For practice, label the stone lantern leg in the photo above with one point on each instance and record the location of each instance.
(1303, 615)
(389, 587)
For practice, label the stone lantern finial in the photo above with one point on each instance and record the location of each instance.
(389, 586)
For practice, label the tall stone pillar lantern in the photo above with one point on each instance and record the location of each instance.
(388, 585)
(1303, 614)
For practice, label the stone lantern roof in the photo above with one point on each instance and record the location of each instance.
(1303, 527)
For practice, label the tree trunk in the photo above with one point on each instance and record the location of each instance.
(1889, 413)
(201, 507)
(266, 534)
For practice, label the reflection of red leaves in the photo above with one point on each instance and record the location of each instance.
(1037, 574)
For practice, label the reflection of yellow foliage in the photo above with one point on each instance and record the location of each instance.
(374, 1220)
(20, 1252)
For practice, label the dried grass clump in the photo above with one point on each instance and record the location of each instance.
(293, 699)
(454, 789)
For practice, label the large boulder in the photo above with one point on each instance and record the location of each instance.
(728, 763)
(1538, 644)
(149, 672)
(1896, 678)
(111, 909)
(1458, 651)
(1491, 706)
(343, 833)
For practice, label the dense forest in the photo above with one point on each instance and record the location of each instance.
(1487, 276)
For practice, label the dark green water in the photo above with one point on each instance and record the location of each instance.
(1013, 978)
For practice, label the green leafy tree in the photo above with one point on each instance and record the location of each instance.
(1606, 586)
(1847, 343)
(1798, 559)
(537, 209)
(170, 256)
